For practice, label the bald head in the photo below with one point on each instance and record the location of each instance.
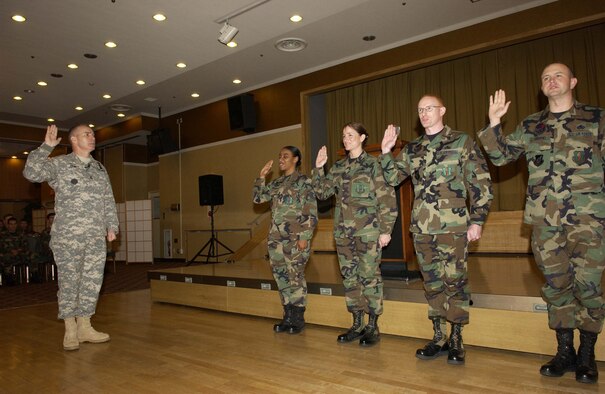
(82, 140)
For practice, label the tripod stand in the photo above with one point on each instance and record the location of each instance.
(212, 244)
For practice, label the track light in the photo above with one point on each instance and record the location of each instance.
(227, 33)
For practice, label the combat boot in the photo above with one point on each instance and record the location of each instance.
(456, 352)
(70, 340)
(371, 335)
(586, 371)
(356, 330)
(298, 320)
(565, 359)
(286, 321)
(439, 345)
(88, 334)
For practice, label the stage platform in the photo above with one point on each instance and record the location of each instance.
(507, 311)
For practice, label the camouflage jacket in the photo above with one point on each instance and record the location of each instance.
(13, 249)
(293, 206)
(84, 202)
(365, 204)
(446, 172)
(564, 160)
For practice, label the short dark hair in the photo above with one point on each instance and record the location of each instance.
(71, 131)
(296, 152)
(50, 215)
(11, 219)
(360, 129)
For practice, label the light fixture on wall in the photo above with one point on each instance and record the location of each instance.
(227, 33)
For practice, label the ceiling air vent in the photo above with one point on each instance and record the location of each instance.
(291, 44)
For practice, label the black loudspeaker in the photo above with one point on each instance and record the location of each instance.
(242, 115)
(211, 189)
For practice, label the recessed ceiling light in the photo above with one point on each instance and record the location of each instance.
(140, 82)
(25, 152)
(159, 17)
(55, 75)
(111, 44)
(232, 44)
(42, 83)
(195, 95)
(90, 56)
(91, 125)
(369, 38)
(78, 108)
(13, 157)
(121, 115)
(181, 65)
(18, 18)
(296, 18)
(236, 81)
(107, 96)
(17, 98)
(73, 66)
(50, 120)
(291, 44)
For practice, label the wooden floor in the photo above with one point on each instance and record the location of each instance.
(163, 348)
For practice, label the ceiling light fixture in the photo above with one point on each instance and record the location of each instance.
(232, 44)
(73, 66)
(227, 33)
(111, 44)
(78, 108)
(107, 96)
(13, 157)
(195, 95)
(50, 120)
(18, 18)
(25, 152)
(181, 65)
(237, 81)
(91, 125)
(140, 82)
(121, 115)
(159, 17)
(42, 83)
(296, 18)
(17, 98)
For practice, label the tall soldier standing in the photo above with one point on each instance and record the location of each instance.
(85, 213)
(565, 147)
(365, 213)
(294, 217)
(446, 167)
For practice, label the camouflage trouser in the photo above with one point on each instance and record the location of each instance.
(288, 266)
(442, 260)
(572, 259)
(80, 263)
(359, 261)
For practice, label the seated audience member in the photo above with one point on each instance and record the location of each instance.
(13, 250)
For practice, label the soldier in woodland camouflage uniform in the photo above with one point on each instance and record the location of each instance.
(564, 147)
(85, 213)
(13, 250)
(365, 212)
(294, 216)
(447, 168)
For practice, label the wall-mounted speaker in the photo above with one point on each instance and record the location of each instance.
(242, 114)
(211, 189)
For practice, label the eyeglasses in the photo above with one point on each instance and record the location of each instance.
(428, 108)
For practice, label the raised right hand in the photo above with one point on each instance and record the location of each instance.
(498, 106)
(266, 169)
(389, 140)
(322, 157)
(51, 136)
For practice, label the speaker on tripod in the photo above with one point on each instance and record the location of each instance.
(211, 194)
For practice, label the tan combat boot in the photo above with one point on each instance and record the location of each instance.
(70, 340)
(88, 334)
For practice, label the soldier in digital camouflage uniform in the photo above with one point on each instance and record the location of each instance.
(85, 214)
(447, 168)
(564, 147)
(13, 251)
(365, 212)
(294, 216)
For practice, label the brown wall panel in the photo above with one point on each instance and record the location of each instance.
(14, 186)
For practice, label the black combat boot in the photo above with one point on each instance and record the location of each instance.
(356, 330)
(456, 352)
(371, 335)
(586, 371)
(298, 320)
(438, 346)
(565, 359)
(284, 325)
